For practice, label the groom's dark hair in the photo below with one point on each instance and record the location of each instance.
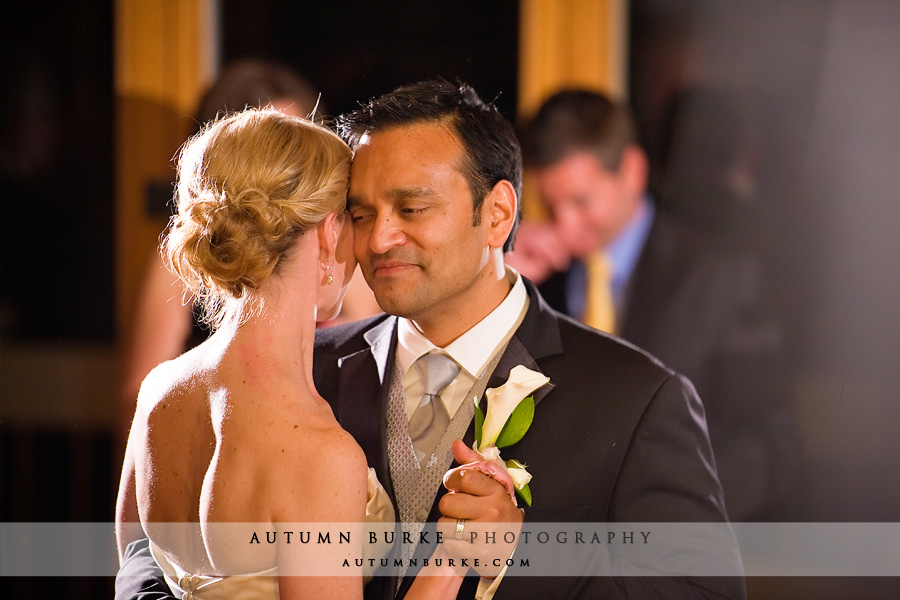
(488, 138)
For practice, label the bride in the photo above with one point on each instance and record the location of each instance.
(231, 438)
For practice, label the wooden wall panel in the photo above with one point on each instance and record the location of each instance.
(569, 43)
(165, 55)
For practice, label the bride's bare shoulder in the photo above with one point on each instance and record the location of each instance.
(318, 473)
(181, 381)
(307, 431)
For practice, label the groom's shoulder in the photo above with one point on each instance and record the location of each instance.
(590, 352)
(569, 341)
(349, 337)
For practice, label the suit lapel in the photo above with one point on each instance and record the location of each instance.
(362, 396)
(537, 337)
(659, 271)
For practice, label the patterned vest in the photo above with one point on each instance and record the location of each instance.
(415, 486)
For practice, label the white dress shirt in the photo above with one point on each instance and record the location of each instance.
(472, 351)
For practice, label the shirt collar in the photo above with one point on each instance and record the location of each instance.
(624, 251)
(473, 349)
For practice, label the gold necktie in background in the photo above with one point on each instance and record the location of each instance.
(600, 312)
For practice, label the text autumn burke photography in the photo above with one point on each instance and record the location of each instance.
(437, 537)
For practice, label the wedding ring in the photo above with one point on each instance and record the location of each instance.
(460, 529)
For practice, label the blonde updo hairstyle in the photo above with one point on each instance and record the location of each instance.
(248, 184)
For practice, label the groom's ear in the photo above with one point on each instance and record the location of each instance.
(500, 210)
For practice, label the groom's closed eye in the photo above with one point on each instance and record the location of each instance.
(413, 210)
(357, 210)
(359, 216)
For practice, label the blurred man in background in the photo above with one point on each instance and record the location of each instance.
(615, 260)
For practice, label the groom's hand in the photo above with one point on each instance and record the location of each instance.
(492, 521)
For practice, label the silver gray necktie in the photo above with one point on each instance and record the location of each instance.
(430, 419)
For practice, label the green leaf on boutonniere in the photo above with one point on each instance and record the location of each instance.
(524, 494)
(518, 423)
(479, 423)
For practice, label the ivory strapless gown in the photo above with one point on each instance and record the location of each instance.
(264, 584)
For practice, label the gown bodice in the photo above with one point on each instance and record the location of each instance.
(262, 585)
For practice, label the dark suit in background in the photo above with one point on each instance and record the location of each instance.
(696, 304)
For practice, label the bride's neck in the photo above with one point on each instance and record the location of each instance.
(279, 336)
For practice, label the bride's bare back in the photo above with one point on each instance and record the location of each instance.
(227, 436)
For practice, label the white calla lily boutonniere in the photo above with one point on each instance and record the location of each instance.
(508, 415)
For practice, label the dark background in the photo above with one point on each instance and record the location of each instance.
(821, 87)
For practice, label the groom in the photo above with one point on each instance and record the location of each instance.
(434, 198)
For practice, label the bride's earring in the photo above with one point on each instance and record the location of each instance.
(328, 265)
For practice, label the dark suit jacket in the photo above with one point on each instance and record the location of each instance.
(619, 437)
(696, 304)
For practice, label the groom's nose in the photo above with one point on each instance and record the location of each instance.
(385, 233)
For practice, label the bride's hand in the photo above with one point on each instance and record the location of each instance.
(474, 461)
